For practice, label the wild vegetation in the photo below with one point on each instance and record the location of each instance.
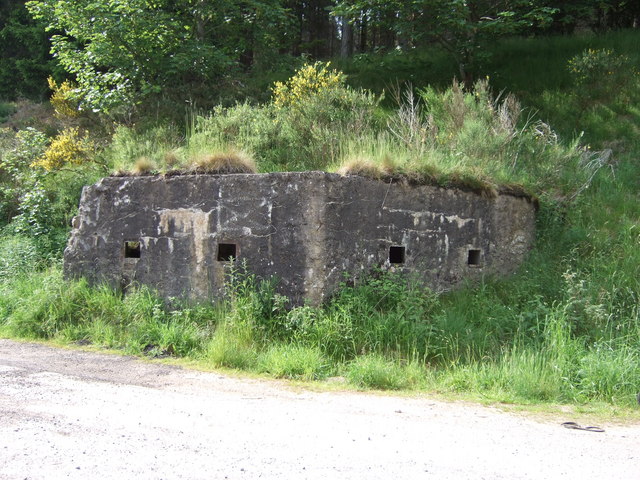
(556, 116)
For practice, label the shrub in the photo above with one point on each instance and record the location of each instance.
(35, 214)
(20, 184)
(62, 99)
(601, 75)
(69, 147)
(307, 82)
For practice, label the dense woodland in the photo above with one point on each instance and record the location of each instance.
(186, 50)
(537, 96)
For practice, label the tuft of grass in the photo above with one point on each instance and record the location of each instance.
(232, 346)
(143, 166)
(231, 161)
(172, 159)
(364, 167)
(294, 361)
(378, 372)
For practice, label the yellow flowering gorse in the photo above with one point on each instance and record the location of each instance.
(308, 81)
(61, 99)
(68, 148)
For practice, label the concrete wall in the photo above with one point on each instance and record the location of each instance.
(305, 228)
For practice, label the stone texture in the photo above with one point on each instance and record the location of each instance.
(305, 228)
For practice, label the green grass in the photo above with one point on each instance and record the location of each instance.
(294, 361)
(377, 372)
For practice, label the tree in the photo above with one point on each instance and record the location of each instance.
(25, 62)
(123, 51)
(461, 27)
(599, 15)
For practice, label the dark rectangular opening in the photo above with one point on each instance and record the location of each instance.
(131, 249)
(475, 257)
(226, 252)
(396, 254)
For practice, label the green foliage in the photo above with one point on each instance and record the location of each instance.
(6, 109)
(35, 212)
(472, 140)
(17, 178)
(25, 61)
(19, 255)
(306, 133)
(122, 52)
(33, 202)
(602, 76)
(462, 28)
(42, 305)
(232, 345)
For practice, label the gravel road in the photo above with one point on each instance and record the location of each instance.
(75, 414)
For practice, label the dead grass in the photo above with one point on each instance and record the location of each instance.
(143, 166)
(365, 168)
(231, 161)
(171, 159)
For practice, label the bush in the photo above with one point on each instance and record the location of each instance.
(19, 255)
(307, 82)
(302, 129)
(69, 147)
(600, 75)
(62, 99)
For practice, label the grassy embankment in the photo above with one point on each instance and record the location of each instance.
(565, 329)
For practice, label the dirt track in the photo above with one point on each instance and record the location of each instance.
(72, 414)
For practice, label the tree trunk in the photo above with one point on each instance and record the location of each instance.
(346, 43)
(364, 31)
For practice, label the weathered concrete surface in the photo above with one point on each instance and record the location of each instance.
(305, 228)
